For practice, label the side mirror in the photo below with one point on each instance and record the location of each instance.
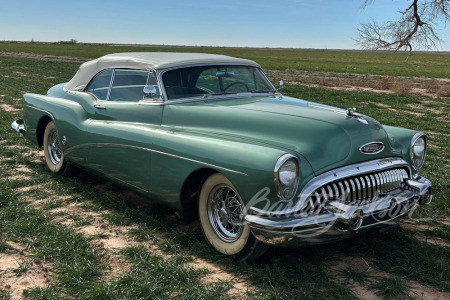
(149, 91)
(281, 84)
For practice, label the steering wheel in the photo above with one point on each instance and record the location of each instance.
(234, 83)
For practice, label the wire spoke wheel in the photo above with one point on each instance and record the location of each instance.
(222, 217)
(53, 152)
(53, 147)
(225, 213)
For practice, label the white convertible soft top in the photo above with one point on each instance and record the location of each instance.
(147, 61)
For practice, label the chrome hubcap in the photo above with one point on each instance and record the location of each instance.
(53, 148)
(225, 213)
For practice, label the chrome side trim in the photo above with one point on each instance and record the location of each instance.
(336, 110)
(129, 184)
(151, 102)
(336, 174)
(215, 98)
(101, 145)
(40, 109)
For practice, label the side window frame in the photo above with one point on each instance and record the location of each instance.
(115, 70)
(109, 87)
(111, 82)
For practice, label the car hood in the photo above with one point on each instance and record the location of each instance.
(324, 135)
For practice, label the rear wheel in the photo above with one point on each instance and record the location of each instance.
(53, 152)
(222, 213)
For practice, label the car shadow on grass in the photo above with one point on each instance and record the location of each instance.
(280, 273)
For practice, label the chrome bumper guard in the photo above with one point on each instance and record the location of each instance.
(18, 126)
(341, 220)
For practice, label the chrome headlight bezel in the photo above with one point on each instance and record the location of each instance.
(286, 184)
(417, 156)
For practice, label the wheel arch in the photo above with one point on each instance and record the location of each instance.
(191, 189)
(40, 129)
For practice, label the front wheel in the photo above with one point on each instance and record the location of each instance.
(54, 156)
(222, 213)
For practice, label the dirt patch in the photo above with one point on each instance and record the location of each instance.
(20, 73)
(363, 292)
(23, 169)
(19, 177)
(413, 226)
(445, 221)
(424, 108)
(421, 233)
(359, 265)
(28, 188)
(17, 147)
(216, 274)
(20, 272)
(44, 57)
(116, 266)
(424, 292)
(8, 108)
(38, 204)
(107, 239)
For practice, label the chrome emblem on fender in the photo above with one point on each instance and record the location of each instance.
(372, 148)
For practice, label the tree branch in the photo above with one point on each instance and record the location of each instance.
(414, 29)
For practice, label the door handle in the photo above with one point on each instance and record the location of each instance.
(99, 106)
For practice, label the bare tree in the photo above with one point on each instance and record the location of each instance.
(414, 29)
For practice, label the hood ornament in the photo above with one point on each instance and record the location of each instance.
(351, 112)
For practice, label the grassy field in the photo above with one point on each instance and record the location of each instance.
(83, 238)
(359, 62)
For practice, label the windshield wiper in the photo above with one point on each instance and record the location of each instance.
(263, 91)
(218, 94)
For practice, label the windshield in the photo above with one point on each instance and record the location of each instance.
(214, 80)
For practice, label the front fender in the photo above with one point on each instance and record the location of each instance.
(250, 167)
(400, 141)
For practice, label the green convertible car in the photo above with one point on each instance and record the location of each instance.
(210, 135)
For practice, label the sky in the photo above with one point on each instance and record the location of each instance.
(320, 24)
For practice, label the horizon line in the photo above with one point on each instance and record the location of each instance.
(70, 42)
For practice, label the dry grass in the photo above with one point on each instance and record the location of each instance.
(384, 83)
(431, 86)
(444, 91)
(325, 82)
(402, 86)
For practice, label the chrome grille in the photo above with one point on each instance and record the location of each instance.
(355, 190)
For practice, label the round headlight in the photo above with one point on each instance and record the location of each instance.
(288, 173)
(419, 147)
(286, 176)
(418, 150)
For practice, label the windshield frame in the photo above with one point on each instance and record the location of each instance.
(160, 73)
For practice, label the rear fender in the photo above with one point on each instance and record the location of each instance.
(70, 118)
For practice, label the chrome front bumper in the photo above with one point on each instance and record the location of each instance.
(341, 220)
